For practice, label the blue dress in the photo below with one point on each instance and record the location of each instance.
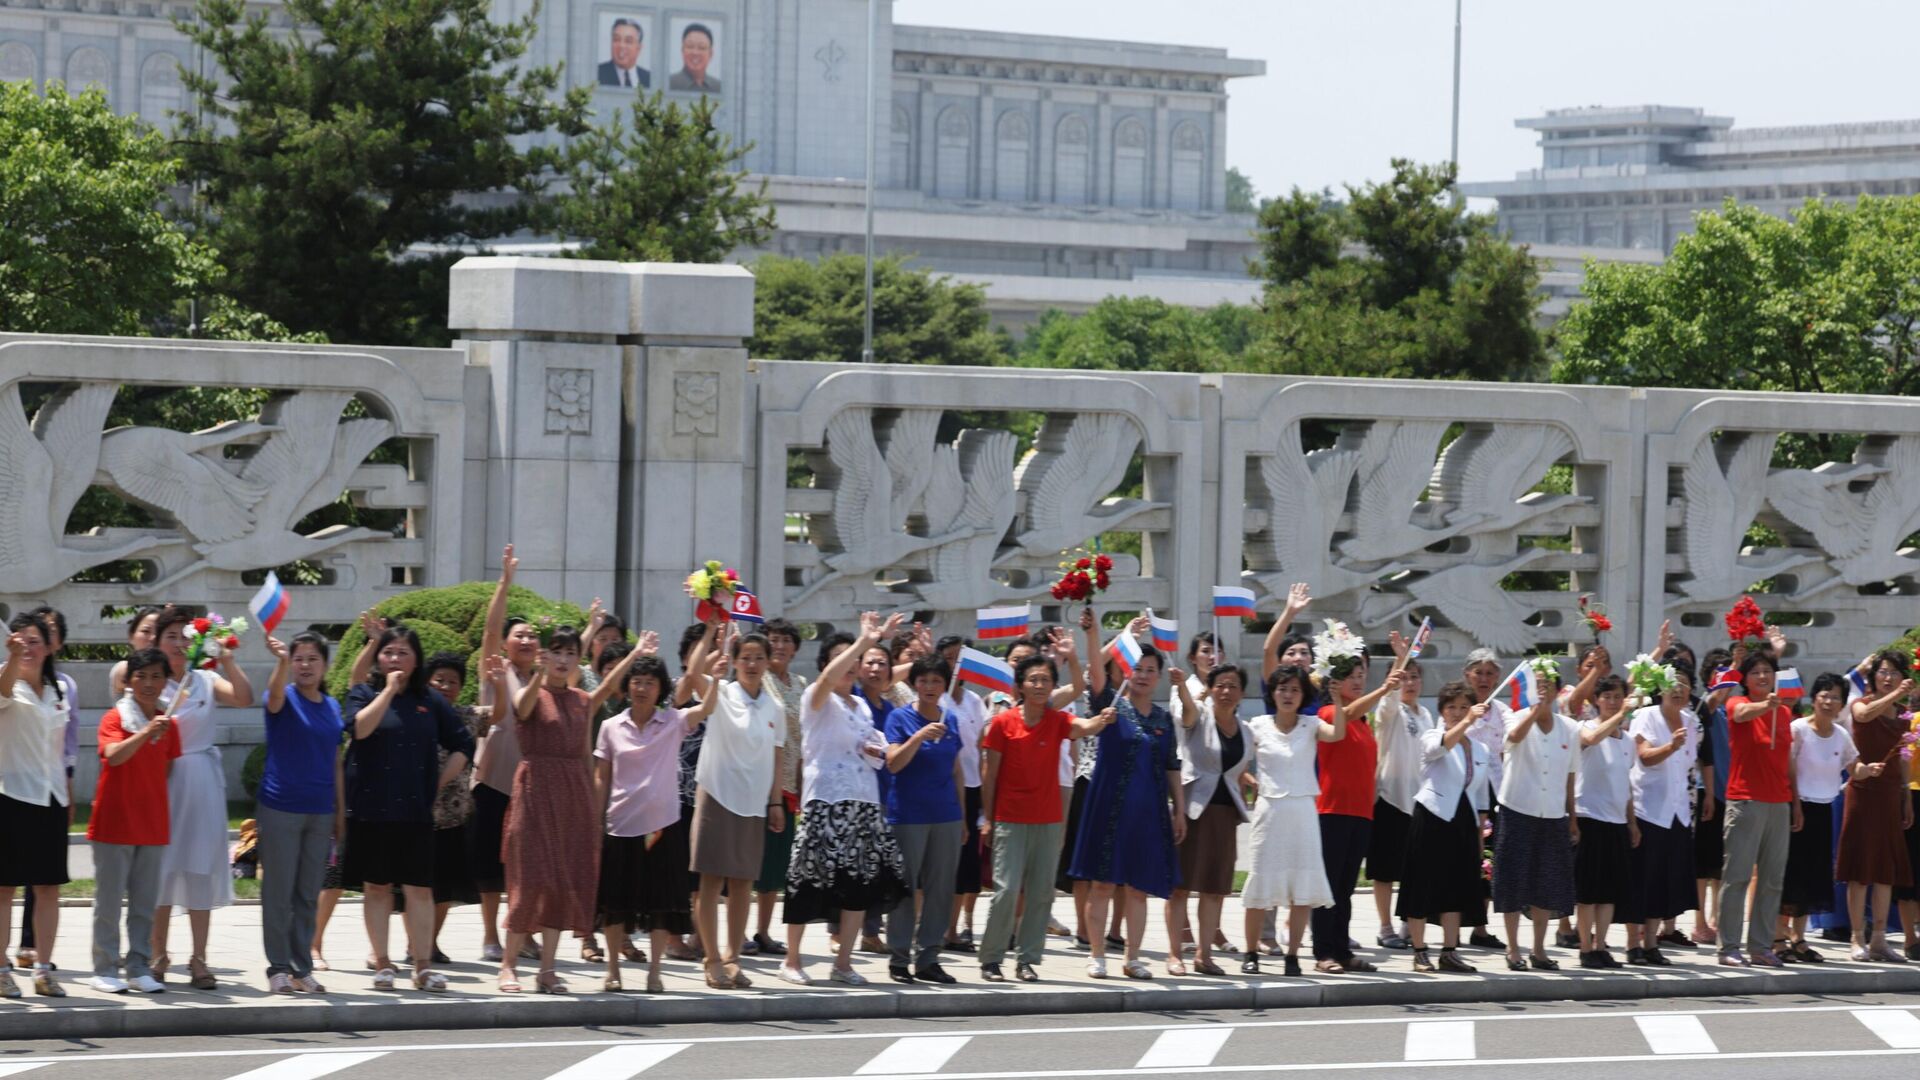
(1126, 831)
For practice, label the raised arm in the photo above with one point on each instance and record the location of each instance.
(616, 676)
(371, 627)
(596, 618)
(493, 636)
(368, 718)
(1065, 653)
(528, 699)
(1519, 731)
(1298, 597)
(872, 630)
(1189, 712)
(1090, 626)
(1604, 729)
(1741, 714)
(1364, 704)
(1869, 707)
(121, 751)
(1582, 692)
(277, 682)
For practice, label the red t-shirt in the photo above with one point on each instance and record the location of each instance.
(1759, 751)
(1027, 786)
(1347, 768)
(130, 799)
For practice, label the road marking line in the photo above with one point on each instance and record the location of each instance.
(921, 1054)
(12, 1068)
(1676, 1035)
(309, 1066)
(1189, 1048)
(1896, 1027)
(620, 1062)
(1440, 1040)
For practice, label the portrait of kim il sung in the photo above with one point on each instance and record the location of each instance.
(699, 42)
(623, 41)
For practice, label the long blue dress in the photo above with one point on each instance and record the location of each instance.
(1126, 831)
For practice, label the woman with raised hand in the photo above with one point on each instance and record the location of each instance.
(550, 848)
(1609, 830)
(1759, 812)
(195, 873)
(301, 807)
(1348, 767)
(34, 793)
(1285, 866)
(1879, 805)
(923, 808)
(784, 639)
(845, 858)
(1533, 850)
(970, 723)
(1667, 741)
(1823, 752)
(644, 882)
(1214, 759)
(498, 758)
(1403, 720)
(1442, 872)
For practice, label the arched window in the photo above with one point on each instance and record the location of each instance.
(1072, 162)
(900, 147)
(18, 64)
(161, 91)
(953, 153)
(1189, 166)
(1012, 158)
(87, 66)
(1130, 163)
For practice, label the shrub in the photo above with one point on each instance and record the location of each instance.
(450, 619)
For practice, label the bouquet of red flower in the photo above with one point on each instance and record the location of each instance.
(1594, 615)
(1083, 578)
(712, 586)
(1745, 624)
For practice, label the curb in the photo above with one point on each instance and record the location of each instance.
(195, 1015)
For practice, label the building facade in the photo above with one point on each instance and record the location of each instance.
(1012, 159)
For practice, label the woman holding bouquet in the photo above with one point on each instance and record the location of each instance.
(1879, 807)
(1348, 766)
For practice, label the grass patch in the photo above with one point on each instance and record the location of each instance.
(82, 889)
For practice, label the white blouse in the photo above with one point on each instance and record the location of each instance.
(33, 745)
(1398, 730)
(834, 764)
(1285, 761)
(1491, 734)
(1660, 792)
(737, 758)
(1818, 762)
(1605, 783)
(1444, 773)
(971, 713)
(1534, 782)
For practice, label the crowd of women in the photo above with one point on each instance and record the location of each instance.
(597, 791)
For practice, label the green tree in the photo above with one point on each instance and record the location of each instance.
(1140, 334)
(1397, 280)
(327, 153)
(1241, 196)
(84, 246)
(815, 311)
(660, 184)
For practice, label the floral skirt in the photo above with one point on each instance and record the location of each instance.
(845, 858)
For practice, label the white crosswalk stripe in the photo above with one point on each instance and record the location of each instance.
(20, 1067)
(923, 1054)
(1188, 1048)
(620, 1062)
(1676, 1035)
(1440, 1040)
(309, 1066)
(1897, 1028)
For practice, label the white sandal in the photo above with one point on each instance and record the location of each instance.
(383, 979)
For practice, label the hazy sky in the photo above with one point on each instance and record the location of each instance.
(1353, 83)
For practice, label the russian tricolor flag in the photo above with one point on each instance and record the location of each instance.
(1420, 637)
(746, 607)
(1725, 679)
(1166, 634)
(1125, 652)
(987, 672)
(1000, 623)
(1521, 689)
(270, 604)
(1787, 684)
(1232, 602)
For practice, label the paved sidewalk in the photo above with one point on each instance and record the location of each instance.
(242, 1005)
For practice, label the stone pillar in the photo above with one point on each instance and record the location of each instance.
(683, 490)
(548, 332)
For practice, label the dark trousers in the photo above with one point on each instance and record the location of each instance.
(1343, 847)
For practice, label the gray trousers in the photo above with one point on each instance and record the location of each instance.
(128, 873)
(293, 863)
(932, 854)
(1756, 844)
(1024, 857)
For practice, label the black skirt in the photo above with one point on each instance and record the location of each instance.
(1387, 847)
(484, 829)
(1661, 875)
(1807, 888)
(1532, 864)
(1602, 863)
(1062, 880)
(388, 853)
(966, 876)
(1442, 871)
(452, 873)
(645, 888)
(33, 843)
(844, 859)
(1709, 845)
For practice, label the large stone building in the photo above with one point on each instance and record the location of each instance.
(1053, 170)
(1624, 184)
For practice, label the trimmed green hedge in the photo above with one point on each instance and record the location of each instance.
(451, 619)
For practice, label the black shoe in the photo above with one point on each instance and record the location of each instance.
(768, 946)
(1290, 966)
(1250, 963)
(1543, 963)
(1607, 959)
(1590, 959)
(1081, 944)
(1638, 956)
(1567, 940)
(1116, 942)
(958, 946)
(934, 973)
(1674, 938)
(1480, 939)
(899, 973)
(991, 973)
(1025, 973)
(1658, 958)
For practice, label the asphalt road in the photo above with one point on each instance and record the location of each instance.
(1872, 1038)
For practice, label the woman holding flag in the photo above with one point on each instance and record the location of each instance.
(1214, 759)
(302, 804)
(1533, 849)
(195, 873)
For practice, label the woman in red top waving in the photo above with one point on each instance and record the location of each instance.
(1759, 815)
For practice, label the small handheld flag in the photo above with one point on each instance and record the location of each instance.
(270, 604)
(1166, 633)
(1725, 679)
(1420, 637)
(1788, 685)
(745, 607)
(987, 672)
(1856, 683)
(1001, 623)
(1232, 602)
(1521, 690)
(1125, 652)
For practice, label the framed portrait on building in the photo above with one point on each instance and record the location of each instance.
(621, 48)
(693, 49)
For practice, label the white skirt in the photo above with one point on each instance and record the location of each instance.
(195, 872)
(1286, 869)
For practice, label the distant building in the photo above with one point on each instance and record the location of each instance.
(1036, 165)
